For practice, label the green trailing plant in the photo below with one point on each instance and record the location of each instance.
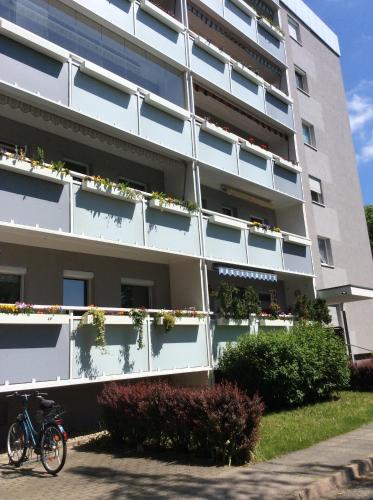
(168, 319)
(138, 317)
(38, 160)
(98, 321)
(59, 168)
(165, 200)
(235, 304)
(127, 191)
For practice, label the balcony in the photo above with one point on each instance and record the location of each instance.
(236, 241)
(38, 198)
(71, 357)
(217, 68)
(242, 18)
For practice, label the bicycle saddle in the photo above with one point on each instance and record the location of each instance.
(46, 404)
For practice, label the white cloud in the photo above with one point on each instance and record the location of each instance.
(361, 111)
(360, 106)
(366, 152)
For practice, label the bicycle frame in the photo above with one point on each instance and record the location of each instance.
(31, 434)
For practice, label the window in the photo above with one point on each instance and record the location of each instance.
(10, 288)
(301, 79)
(76, 166)
(308, 134)
(229, 211)
(316, 190)
(140, 186)
(76, 288)
(136, 293)
(294, 29)
(325, 251)
(258, 219)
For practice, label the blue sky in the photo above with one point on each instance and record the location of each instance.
(352, 20)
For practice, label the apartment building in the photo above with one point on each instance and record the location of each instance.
(151, 150)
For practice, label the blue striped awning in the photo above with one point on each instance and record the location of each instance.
(245, 273)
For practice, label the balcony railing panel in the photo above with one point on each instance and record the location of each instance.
(239, 19)
(215, 5)
(165, 129)
(39, 352)
(102, 217)
(121, 354)
(279, 110)
(216, 152)
(182, 347)
(287, 181)
(156, 34)
(210, 68)
(255, 168)
(224, 243)
(297, 258)
(33, 71)
(172, 232)
(271, 43)
(248, 91)
(265, 252)
(103, 102)
(34, 202)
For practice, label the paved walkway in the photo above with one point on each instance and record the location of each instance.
(93, 475)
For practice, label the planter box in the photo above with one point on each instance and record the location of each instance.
(212, 49)
(170, 207)
(92, 187)
(262, 232)
(167, 107)
(218, 132)
(256, 150)
(161, 15)
(276, 323)
(221, 220)
(297, 240)
(233, 322)
(247, 73)
(181, 321)
(25, 168)
(109, 320)
(34, 319)
(274, 31)
(245, 8)
(286, 164)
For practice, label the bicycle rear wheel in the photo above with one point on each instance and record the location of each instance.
(16, 444)
(53, 449)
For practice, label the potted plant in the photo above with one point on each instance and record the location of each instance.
(138, 317)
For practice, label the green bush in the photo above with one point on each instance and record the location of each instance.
(288, 369)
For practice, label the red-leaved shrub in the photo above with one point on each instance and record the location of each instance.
(362, 375)
(219, 422)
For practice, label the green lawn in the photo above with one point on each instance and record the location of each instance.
(293, 430)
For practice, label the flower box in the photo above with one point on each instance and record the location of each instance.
(297, 240)
(274, 31)
(286, 164)
(245, 8)
(277, 323)
(256, 150)
(172, 208)
(247, 73)
(233, 322)
(263, 232)
(161, 15)
(185, 321)
(167, 107)
(108, 77)
(211, 49)
(279, 94)
(25, 168)
(34, 319)
(218, 132)
(224, 221)
(109, 320)
(111, 192)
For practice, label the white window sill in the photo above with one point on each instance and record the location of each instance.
(310, 146)
(318, 204)
(328, 266)
(304, 92)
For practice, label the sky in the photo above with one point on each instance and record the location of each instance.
(352, 21)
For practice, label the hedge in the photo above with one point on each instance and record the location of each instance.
(362, 375)
(219, 422)
(306, 365)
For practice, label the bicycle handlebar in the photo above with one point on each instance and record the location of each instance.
(26, 396)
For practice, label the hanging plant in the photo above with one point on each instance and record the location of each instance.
(138, 317)
(98, 321)
(166, 319)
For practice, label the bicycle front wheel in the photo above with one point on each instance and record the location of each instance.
(16, 444)
(53, 449)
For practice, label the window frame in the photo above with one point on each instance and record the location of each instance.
(321, 201)
(312, 134)
(296, 27)
(16, 271)
(149, 284)
(328, 251)
(85, 276)
(303, 76)
(129, 181)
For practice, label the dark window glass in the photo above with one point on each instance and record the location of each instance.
(134, 296)
(74, 292)
(10, 288)
(265, 300)
(66, 28)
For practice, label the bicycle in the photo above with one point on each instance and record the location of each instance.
(48, 441)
